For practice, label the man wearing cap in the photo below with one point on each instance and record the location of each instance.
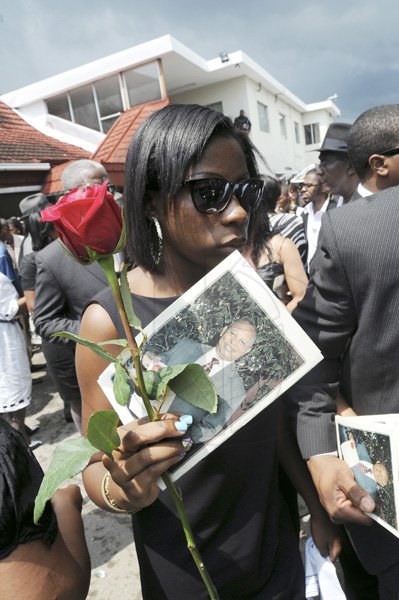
(335, 166)
(30, 204)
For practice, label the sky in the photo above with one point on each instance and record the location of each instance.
(316, 48)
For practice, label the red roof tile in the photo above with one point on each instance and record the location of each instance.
(22, 143)
(112, 151)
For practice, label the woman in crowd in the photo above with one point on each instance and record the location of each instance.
(276, 258)
(48, 560)
(15, 375)
(287, 225)
(42, 233)
(188, 201)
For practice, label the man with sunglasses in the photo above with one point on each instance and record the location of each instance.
(373, 148)
(350, 312)
(316, 203)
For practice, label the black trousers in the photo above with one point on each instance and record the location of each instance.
(60, 361)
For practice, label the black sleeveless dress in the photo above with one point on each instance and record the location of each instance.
(240, 525)
(20, 479)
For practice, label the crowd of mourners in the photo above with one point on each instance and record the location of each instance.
(326, 244)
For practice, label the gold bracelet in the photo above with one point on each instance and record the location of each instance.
(110, 502)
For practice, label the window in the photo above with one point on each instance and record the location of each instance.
(217, 106)
(99, 104)
(296, 133)
(263, 117)
(109, 101)
(84, 108)
(142, 84)
(312, 134)
(59, 106)
(283, 125)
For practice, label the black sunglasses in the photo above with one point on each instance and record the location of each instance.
(306, 186)
(214, 195)
(390, 152)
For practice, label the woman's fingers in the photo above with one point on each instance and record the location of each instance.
(137, 475)
(128, 466)
(143, 432)
(146, 450)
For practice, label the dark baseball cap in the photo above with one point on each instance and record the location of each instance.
(336, 138)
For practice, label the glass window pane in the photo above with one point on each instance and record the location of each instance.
(217, 106)
(308, 134)
(312, 134)
(59, 107)
(107, 123)
(142, 84)
(283, 127)
(109, 96)
(84, 109)
(263, 117)
(297, 134)
(316, 133)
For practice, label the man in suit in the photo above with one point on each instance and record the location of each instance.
(235, 341)
(63, 288)
(350, 311)
(373, 149)
(335, 166)
(316, 203)
(368, 475)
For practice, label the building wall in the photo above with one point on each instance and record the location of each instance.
(283, 155)
(324, 119)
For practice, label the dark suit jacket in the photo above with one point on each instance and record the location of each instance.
(228, 384)
(63, 288)
(351, 310)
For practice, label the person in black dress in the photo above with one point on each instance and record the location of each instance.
(187, 170)
(47, 560)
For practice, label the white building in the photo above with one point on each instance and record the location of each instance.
(80, 106)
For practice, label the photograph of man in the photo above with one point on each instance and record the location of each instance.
(235, 340)
(367, 474)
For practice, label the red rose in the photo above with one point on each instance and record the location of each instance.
(87, 219)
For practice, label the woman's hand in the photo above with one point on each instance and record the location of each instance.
(146, 451)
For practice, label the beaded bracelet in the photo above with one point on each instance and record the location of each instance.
(110, 502)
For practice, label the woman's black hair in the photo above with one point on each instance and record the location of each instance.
(17, 223)
(160, 156)
(40, 231)
(259, 232)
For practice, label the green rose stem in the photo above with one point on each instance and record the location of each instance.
(107, 264)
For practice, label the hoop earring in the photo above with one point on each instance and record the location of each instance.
(157, 254)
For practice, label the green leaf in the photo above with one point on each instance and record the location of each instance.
(195, 387)
(92, 345)
(120, 386)
(156, 381)
(69, 459)
(119, 342)
(134, 321)
(101, 430)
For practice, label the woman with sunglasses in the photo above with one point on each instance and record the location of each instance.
(191, 184)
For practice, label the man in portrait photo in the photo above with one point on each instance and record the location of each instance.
(218, 361)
